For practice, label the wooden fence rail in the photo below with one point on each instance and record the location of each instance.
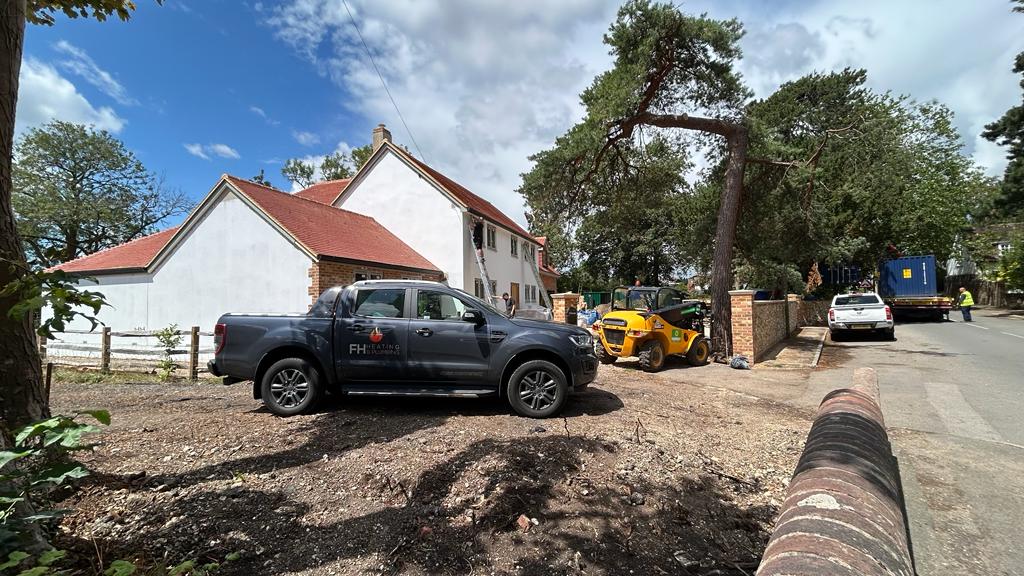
(105, 349)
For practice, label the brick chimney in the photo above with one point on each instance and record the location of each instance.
(380, 134)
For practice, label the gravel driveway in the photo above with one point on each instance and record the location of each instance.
(643, 475)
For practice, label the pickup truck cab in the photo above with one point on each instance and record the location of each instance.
(400, 337)
(860, 311)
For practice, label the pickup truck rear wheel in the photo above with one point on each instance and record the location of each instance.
(537, 389)
(291, 386)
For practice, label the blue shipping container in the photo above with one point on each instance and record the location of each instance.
(908, 276)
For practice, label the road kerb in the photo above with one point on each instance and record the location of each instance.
(821, 345)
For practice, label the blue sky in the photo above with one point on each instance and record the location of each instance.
(197, 88)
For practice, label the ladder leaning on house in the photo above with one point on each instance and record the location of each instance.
(540, 283)
(481, 264)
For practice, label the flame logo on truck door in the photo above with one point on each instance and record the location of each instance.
(376, 335)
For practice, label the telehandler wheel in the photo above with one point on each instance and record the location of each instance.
(602, 353)
(699, 353)
(652, 356)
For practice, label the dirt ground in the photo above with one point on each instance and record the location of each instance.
(643, 475)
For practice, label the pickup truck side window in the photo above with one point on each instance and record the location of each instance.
(380, 302)
(438, 306)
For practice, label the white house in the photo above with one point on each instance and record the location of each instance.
(245, 248)
(251, 248)
(481, 250)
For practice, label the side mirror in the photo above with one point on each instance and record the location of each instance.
(474, 316)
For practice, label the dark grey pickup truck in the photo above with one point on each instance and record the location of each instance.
(397, 337)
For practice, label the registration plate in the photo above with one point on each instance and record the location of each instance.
(861, 326)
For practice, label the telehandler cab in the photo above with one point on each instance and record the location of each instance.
(652, 323)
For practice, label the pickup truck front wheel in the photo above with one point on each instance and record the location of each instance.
(537, 389)
(291, 386)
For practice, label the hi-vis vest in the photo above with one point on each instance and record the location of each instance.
(968, 299)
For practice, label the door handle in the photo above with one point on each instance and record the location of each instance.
(355, 328)
(424, 331)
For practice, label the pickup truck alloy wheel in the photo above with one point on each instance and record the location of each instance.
(291, 386)
(537, 389)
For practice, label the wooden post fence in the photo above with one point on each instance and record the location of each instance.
(193, 355)
(105, 350)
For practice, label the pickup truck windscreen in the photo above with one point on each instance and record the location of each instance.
(857, 300)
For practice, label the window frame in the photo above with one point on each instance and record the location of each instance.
(416, 305)
(403, 313)
(514, 246)
(491, 237)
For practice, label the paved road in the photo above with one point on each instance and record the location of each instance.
(953, 398)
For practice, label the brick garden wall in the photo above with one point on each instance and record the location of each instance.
(758, 325)
(324, 275)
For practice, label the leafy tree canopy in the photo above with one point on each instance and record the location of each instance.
(78, 190)
(335, 166)
(43, 11)
(1008, 131)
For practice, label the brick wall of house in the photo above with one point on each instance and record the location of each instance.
(324, 275)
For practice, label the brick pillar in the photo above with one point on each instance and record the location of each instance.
(793, 303)
(561, 303)
(742, 323)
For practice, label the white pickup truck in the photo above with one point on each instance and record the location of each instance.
(860, 311)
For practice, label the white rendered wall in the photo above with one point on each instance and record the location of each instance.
(394, 195)
(232, 260)
(504, 268)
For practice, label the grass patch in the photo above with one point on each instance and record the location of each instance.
(73, 375)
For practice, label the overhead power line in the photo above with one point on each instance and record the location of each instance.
(382, 82)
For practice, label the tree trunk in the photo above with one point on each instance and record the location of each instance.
(22, 398)
(725, 237)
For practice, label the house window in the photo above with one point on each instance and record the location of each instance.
(492, 238)
(515, 247)
(366, 276)
(478, 288)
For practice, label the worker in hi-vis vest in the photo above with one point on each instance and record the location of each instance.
(966, 301)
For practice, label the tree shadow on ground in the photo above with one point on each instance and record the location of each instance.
(348, 423)
(463, 514)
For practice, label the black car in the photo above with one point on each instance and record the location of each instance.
(399, 337)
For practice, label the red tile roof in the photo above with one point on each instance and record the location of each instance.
(476, 204)
(332, 232)
(134, 255)
(324, 230)
(324, 192)
(544, 268)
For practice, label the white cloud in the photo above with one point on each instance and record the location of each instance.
(80, 64)
(45, 95)
(208, 150)
(196, 150)
(305, 138)
(482, 85)
(224, 151)
(263, 114)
